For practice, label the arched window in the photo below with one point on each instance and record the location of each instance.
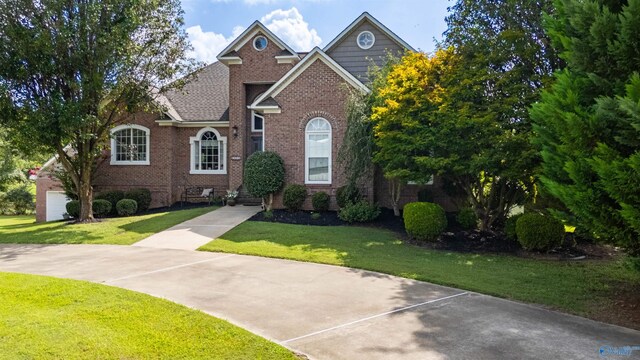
(208, 151)
(318, 151)
(130, 145)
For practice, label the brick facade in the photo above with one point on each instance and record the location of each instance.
(317, 91)
(258, 67)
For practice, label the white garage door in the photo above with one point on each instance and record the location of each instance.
(56, 205)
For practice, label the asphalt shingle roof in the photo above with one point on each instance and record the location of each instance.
(204, 98)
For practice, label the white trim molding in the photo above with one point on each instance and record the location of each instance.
(219, 124)
(147, 132)
(299, 68)
(307, 150)
(222, 152)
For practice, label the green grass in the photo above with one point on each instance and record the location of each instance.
(576, 287)
(48, 318)
(118, 231)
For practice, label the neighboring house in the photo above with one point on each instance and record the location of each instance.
(260, 95)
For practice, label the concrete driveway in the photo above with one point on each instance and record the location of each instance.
(330, 312)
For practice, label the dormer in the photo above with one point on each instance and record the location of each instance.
(365, 41)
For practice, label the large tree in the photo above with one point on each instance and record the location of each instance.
(503, 59)
(70, 70)
(588, 123)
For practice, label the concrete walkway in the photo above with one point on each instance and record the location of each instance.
(331, 312)
(198, 231)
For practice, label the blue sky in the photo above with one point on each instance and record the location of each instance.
(303, 24)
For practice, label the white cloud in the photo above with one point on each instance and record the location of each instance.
(259, 2)
(290, 26)
(207, 44)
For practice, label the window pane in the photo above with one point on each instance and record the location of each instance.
(130, 145)
(318, 145)
(257, 123)
(209, 154)
(256, 144)
(196, 154)
(139, 145)
(318, 169)
(123, 143)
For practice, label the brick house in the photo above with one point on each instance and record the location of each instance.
(260, 95)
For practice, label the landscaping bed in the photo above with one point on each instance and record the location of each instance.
(453, 239)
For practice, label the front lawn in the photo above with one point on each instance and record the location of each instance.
(580, 287)
(117, 231)
(48, 318)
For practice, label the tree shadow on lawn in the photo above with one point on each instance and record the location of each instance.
(60, 233)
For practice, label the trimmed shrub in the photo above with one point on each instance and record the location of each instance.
(73, 208)
(101, 207)
(539, 232)
(510, 227)
(424, 221)
(126, 207)
(294, 196)
(315, 216)
(112, 196)
(347, 194)
(360, 211)
(20, 199)
(320, 201)
(141, 196)
(263, 174)
(467, 219)
(267, 214)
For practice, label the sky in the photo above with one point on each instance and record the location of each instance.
(303, 24)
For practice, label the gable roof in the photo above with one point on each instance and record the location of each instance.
(362, 18)
(204, 98)
(266, 101)
(230, 52)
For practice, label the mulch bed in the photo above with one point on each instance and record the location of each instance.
(453, 239)
(328, 218)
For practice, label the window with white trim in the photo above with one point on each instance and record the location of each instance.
(257, 122)
(318, 151)
(130, 145)
(366, 39)
(208, 152)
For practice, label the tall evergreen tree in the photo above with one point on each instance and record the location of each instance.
(587, 124)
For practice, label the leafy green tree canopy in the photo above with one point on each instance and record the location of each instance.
(70, 70)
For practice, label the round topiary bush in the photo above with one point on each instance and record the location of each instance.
(510, 227)
(141, 196)
(293, 196)
(347, 194)
(320, 201)
(112, 196)
(264, 175)
(539, 232)
(424, 221)
(126, 207)
(101, 207)
(73, 208)
(467, 218)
